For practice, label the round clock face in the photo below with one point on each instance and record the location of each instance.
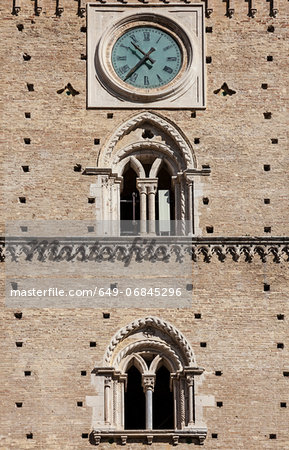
(146, 57)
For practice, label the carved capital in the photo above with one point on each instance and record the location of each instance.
(148, 382)
(190, 380)
(107, 381)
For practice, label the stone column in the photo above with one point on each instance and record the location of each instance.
(190, 382)
(107, 387)
(141, 186)
(152, 189)
(148, 383)
(189, 181)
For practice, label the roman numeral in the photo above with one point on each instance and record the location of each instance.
(171, 58)
(121, 58)
(167, 48)
(146, 80)
(146, 36)
(123, 69)
(132, 36)
(158, 39)
(133, 77)
(168, 69)
(159, 78)
(124, 46)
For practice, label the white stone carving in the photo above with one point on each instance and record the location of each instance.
(106, 158)
(166, 327)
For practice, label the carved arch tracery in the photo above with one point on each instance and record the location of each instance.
(148, 343)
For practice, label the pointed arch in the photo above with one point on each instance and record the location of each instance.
(163, 124)
(159, 324)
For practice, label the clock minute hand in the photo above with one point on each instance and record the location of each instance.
(141, 61)
(138, 48)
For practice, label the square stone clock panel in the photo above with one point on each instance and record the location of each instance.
(145, 56)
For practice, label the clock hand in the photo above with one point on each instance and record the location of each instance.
(137, 47)
(146, 56)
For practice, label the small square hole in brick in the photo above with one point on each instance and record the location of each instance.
(84, 435)
(198, 316)
(30, 87)
(83, 29)
(25, 168)
(80, 404)
(283, 405)
(205, 166)
(280, 316)
(209, 29)
(193, 114)
(267, 201)
(113, 286)
(274, 141)
(29, 436)
(267, 229)
(14, 285)
(96, 141)
(22, 199)
(208, 59)
(203, 344)
(280, 345)
(18, 404)
(90, 229)
(219, 404)
(205, 200)
(267, 167)
(106, 315)
(109, 115)
(266, 287)
(189, 287)
(272, 436)
(27, 115)
(27, 373)
(83, 57)
(197, 140)
(92, 344)
(19, 344)
(20, 27)
(267, 115)
(271, 29)
(285, 374)
(83, 373)
(269, 58)
(77, 168)
(210, 229)
(27, 141)
(24, 229)
(214, 436)
(91, 200)
(18, 315)
(218, 373)
(264, 86)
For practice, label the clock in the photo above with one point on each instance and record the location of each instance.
(146, 57)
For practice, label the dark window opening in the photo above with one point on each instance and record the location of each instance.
(134, 401)
(163, 406)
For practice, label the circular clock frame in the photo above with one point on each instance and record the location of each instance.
(117, 87)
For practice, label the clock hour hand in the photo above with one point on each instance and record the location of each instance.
(138, 48)
(141, 61)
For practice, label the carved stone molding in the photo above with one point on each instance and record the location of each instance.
(128, 249)
(157, 120)
(173, 437)
(158, 323)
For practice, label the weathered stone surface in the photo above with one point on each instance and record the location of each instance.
(238, 319)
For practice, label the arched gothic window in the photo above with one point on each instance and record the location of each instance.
(147, 175)
(147, 386)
